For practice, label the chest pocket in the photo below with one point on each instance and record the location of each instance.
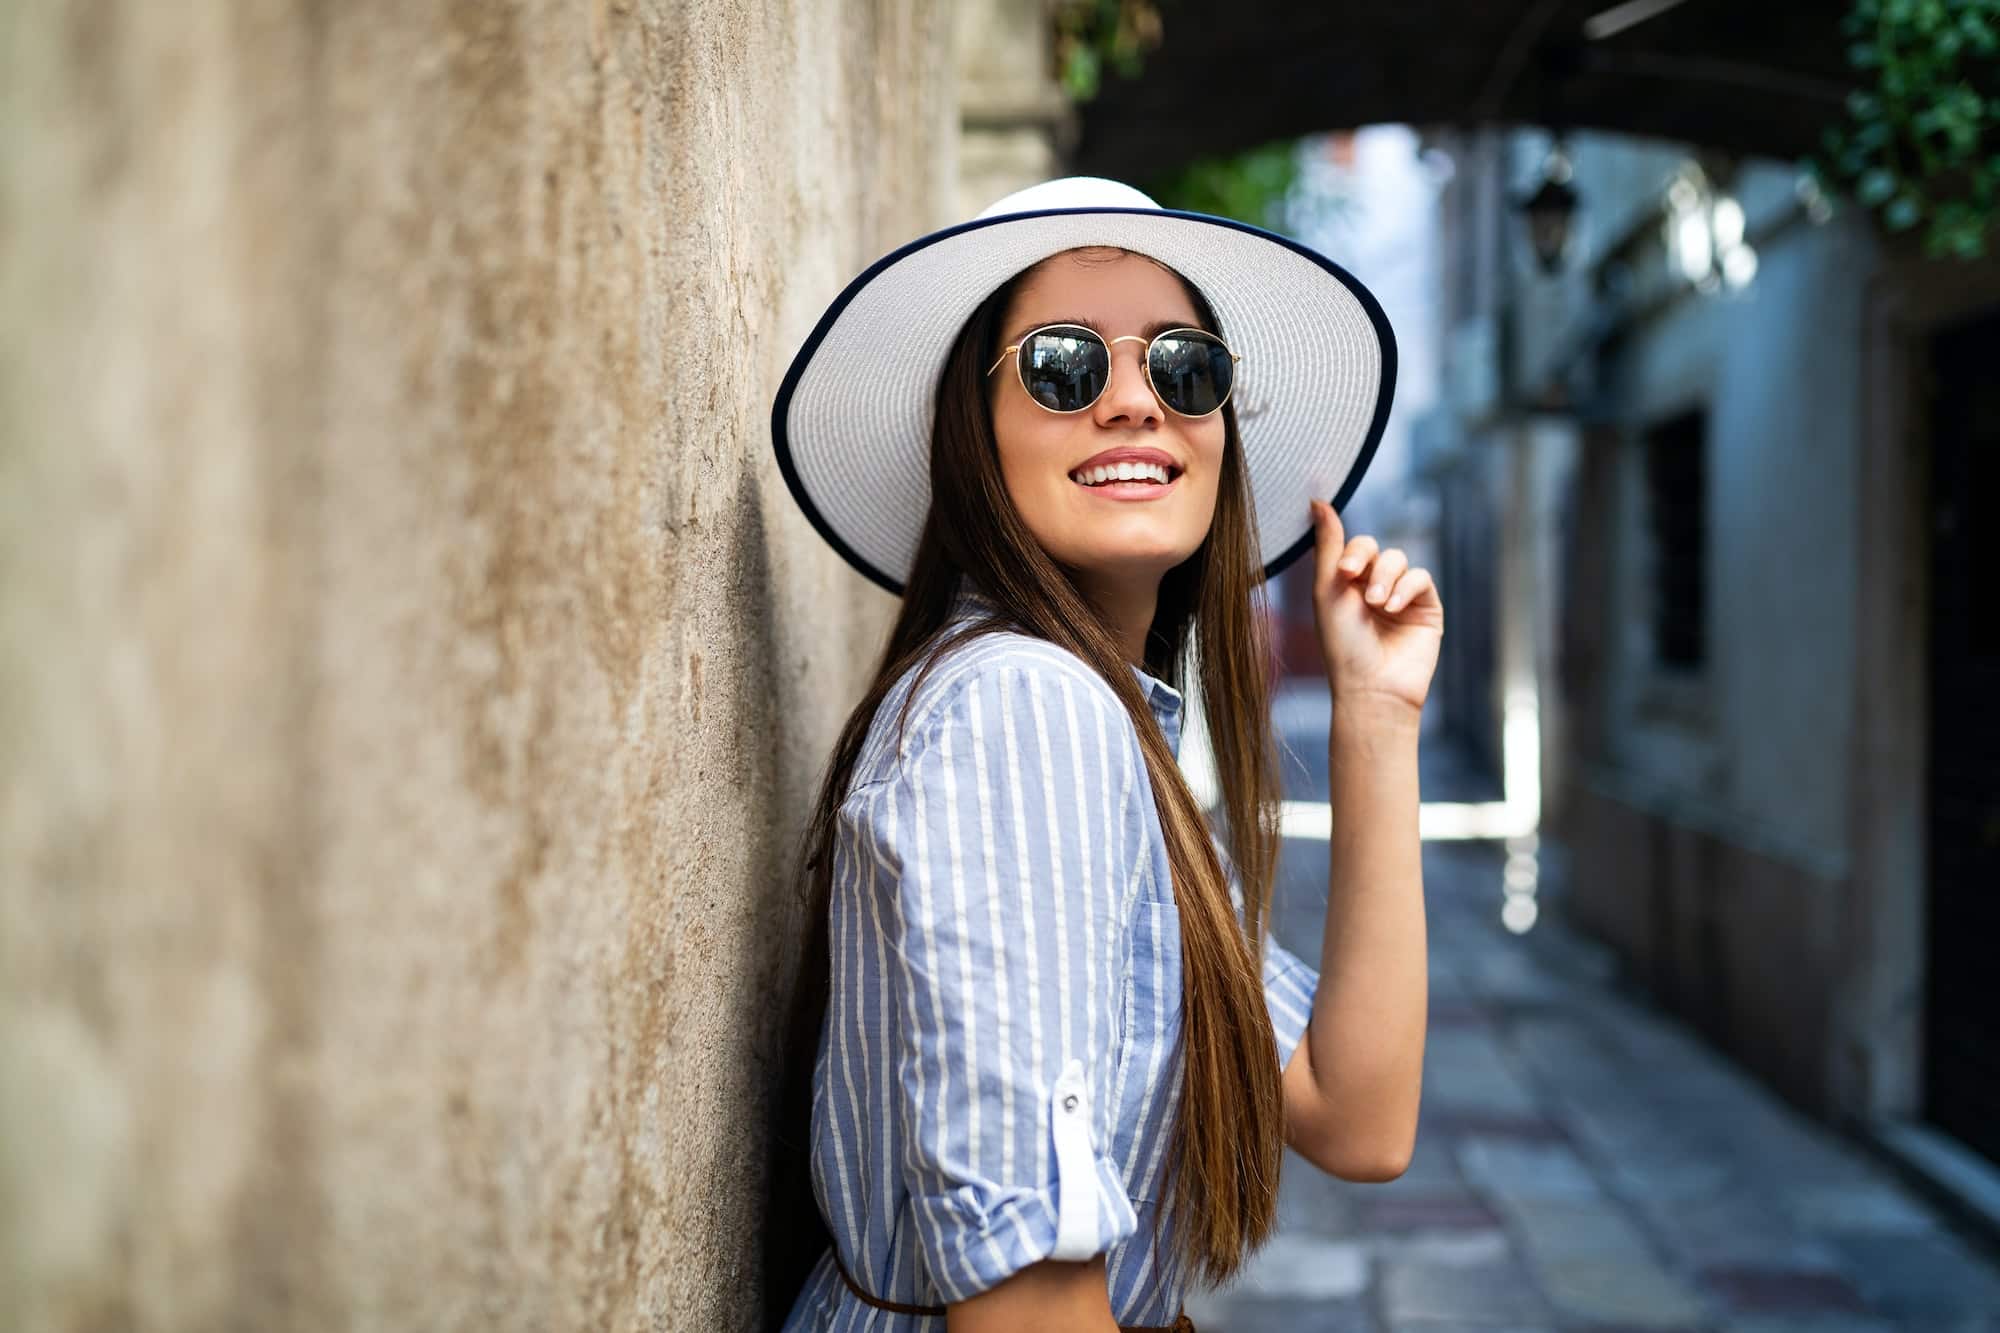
(1150, 1078)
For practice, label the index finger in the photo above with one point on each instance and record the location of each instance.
(1330, 538)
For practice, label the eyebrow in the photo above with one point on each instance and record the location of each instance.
(1149, 332)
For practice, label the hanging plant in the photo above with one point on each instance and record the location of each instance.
(1922, 141)
(1092, 35)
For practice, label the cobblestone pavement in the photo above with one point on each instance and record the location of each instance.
(1585, 1162)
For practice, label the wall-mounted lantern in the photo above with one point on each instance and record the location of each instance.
(1549, 210)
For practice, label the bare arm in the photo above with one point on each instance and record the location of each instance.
(1353, 1085)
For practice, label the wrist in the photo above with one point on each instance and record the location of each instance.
(1374, 716)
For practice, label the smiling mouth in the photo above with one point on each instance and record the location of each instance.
(1116, 476)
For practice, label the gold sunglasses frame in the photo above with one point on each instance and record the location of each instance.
(1145, 360)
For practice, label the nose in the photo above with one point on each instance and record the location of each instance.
(1128, 400)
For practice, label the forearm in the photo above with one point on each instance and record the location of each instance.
(1366, 1035)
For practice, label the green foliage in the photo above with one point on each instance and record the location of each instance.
(1092, 35)
(1250, 186)
(1923, 142)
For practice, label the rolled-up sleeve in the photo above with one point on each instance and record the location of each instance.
(1013, 837)
(1289, 984)
(1289, 981)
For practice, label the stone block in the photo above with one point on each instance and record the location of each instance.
(1465, 1069)
(1814, 1323)
(1257, 1314)
(1621, 1289)
(1554, 1228)
(1377, 1217)
(1925, 1276)
(1503, 1171)
(1306, 1267)
(1769, 1290)
(1476, 1296)
(1449, 1249)
(1865, 1207)
(1733, 1227)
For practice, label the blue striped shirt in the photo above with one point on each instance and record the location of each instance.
(996, 1073)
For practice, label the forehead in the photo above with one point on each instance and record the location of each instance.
(1107, 285)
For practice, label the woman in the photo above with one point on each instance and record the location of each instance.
(1055, 1056)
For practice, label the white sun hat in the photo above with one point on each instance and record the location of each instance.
(1312, 390)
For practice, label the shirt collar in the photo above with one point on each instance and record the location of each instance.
(1164, 700)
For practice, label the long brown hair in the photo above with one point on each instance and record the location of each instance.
(1227, 1139)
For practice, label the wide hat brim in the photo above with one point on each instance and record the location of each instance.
(852, 420)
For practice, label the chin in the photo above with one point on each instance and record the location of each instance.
(1131, 561)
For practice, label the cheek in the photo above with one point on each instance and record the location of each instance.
(1211, 447)
(1029, 450)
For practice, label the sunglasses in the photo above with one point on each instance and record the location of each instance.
(1066, 367)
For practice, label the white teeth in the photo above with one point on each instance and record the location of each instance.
(1125, 471)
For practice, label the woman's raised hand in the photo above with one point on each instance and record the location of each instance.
(1379, 619)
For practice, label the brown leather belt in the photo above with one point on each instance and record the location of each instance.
(1181, 1324)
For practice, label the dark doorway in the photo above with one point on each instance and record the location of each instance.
(1962, 1011)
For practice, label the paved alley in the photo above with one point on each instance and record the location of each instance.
(1584, 1162)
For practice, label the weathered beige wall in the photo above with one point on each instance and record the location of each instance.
(411, 666)
(1016, 124)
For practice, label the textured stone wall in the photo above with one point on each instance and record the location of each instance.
(1016, 124)
(412, 670)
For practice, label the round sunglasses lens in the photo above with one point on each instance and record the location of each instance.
(1065, 369)
(1192, 372)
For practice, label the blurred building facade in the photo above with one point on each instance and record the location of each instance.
(1367, 200)
(1719, 479)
